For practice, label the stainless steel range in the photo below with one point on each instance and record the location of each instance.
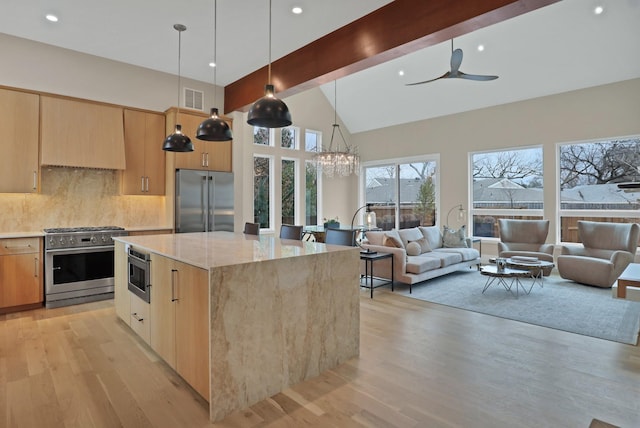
(78, 263)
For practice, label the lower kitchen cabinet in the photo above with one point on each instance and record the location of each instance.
(179, 314)
(20, 273)
(122, 298)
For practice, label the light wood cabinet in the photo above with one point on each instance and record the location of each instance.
(143, 137)
(206, 155)
(79, 133)
(19, 128)
(179, 314)
(20, 272)
(121, 293)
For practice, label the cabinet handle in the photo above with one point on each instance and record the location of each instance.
(174, 272)
(15, 247)
(135, 315)
(142, 184)
(203, 162)
(146, 187)
(35, 267)
(207, 154)
(35, 180)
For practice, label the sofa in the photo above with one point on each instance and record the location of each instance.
(421, 253)
(606, 250)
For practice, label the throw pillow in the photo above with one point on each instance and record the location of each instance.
(413, 249)
(392, 239)
(409, 235)
(424, 245)
(452, 238)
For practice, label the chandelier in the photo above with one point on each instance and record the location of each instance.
(337, 161)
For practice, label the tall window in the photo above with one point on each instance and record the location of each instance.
(590, 173)
(289, 190)
(311, 192)
(403, 194)
(262, 191)
(506, 184)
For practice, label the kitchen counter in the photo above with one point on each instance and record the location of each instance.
(280, 311)
(9, 235)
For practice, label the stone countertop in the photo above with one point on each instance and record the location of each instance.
(8, 235)
(214, 249)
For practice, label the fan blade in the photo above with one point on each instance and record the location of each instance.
(444, 76)
(476, 77)
(456, 60)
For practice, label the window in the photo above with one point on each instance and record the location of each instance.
(262, 191)
(403, 194)
(262, 136)
(589, 176)
(312, 141)
(311, 192)
(289, 138)
(289, 189)
(506, 184)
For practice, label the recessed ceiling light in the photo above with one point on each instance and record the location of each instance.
(598, 10)
(480, 48)
(297, 10)
(212, 64)
(401, 73)
(51, 17)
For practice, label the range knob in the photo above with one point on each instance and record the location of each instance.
(105, 239)
(92, 239)
(72, 240)
(52, 242)
(61, 240)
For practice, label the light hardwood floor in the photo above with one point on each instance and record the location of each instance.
(420, 365)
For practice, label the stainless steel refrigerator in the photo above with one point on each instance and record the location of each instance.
(204, 201)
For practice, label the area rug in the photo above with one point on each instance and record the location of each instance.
(560, 304)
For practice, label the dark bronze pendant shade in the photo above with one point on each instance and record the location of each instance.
(177, 142)
(269, 111)
(214, 128)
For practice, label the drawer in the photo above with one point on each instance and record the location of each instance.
(19, 246)
(140, 322)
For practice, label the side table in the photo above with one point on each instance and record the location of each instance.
(369, 259)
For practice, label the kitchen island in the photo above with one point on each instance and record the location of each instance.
(243, 317)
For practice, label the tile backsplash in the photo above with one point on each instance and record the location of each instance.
(71, 197)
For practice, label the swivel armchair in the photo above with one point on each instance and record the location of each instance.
(525, 238)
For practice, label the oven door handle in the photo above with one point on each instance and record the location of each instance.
(80, 249)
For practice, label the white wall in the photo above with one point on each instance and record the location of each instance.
(600, 112)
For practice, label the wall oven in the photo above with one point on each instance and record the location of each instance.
(139, 274)
(79, 264)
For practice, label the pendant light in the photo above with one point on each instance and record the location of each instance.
(214, 128)
(269, 111)
(178, 142)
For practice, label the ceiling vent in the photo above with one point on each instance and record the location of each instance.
(193, 99)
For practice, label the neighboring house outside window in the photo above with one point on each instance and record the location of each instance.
(590, 173)
(403, 193)
(506, 184)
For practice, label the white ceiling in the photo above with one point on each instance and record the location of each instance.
(558, 48)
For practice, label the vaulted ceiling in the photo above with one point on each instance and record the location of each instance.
(560, 47)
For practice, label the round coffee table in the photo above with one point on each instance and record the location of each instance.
(536, 269)
(501, 276)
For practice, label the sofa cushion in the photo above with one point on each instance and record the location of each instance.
(433, 235)
(467, 254)
(410, 235)
(420, 264)
(445, 258)
(392, 239)
(413, 249)
(452, 238)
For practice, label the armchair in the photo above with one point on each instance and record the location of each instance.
(606, 250)
(525, 238)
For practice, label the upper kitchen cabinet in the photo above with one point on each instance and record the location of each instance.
(206, 155)
(19, 128)
(80, 133)
(143, 137)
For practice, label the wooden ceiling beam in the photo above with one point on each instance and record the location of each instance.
(394, 30)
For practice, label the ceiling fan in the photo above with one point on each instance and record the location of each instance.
(455, 73)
